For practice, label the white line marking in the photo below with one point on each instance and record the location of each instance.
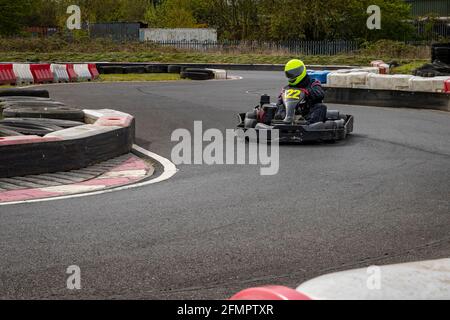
(169, 171)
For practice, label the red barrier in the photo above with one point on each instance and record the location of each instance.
(270, 293)
(7, 141)
(119, 121)
(41, 73)
(447, 86)
(71, 72)
(93, 70)
(7, 75)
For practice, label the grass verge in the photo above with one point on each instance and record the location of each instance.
(140, 77)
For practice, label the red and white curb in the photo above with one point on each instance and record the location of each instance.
(125, 176)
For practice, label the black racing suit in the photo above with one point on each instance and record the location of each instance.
(313, 110)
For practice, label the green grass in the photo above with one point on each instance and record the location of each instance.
(408, 68)
(139, 77)
(195, 57)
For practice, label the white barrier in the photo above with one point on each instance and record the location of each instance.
(23, 73)
(79, 132)
(59, 73)
(368, 69)
(379, 82)
(408, 281)
(337, 79)
(357, 79)
(82, 70)
(400, 81)
(439, 83)
(219, 74)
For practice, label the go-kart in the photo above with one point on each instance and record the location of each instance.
(294, 128)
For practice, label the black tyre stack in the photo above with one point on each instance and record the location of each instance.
(184, 71)
(441, 52)
(197, 74)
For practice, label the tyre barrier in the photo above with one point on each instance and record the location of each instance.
(4, 132)
(39, 93)
(134, 70)
(30, 127)
(110, 70)
(174, 69)
(23, 74)
(60, 74)
(56, 112)
(73, 77)
(7, 75)
(68, 149)
(219, 74)
(82, 71)
(41, 73)
(38, 126)
(153, 68)
(30, 103)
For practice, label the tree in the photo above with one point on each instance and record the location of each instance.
(13, 13)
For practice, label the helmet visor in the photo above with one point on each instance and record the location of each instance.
(293, 74)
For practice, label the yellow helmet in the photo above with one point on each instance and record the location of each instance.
(295, 71)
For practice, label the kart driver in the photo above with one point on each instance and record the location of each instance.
(312, 110)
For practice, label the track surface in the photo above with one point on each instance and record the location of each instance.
(382, 196)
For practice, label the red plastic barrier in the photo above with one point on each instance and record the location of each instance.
(118, 121)
(447, 86)
(7, 75)
(93, 70)
(71, 72)
(270, 293)
(7, 141)
(41, 73)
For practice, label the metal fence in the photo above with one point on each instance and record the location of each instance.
(288, 47)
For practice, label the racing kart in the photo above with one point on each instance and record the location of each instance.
(294, 128)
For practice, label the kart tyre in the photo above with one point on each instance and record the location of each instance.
(250, 123)
(110, 70)
(24, 93)
(198, 70)
(155, 68)
(24, 122)
(251, 115)
(134, 70)
(195, 75)
(62, 113)
(174, 69)
(5, 132)
(19, 98)
(32, 128)
(27, 104)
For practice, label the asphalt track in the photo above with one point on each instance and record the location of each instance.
(383, 196)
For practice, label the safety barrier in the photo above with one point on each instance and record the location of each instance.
(381, 65)
(68, 149)
(59, 73)
(41, 73)
(7, 74)
(447, 86)
(319, 75)
(82, 71)
(379, 81)
(436, 84)
(93, 70)
(219, 74)
(16, 140)
(400, 81)
(73, 77)
(272, 293)
(23, 74)
(337, 79)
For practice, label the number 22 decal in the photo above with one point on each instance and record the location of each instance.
(293, 94)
